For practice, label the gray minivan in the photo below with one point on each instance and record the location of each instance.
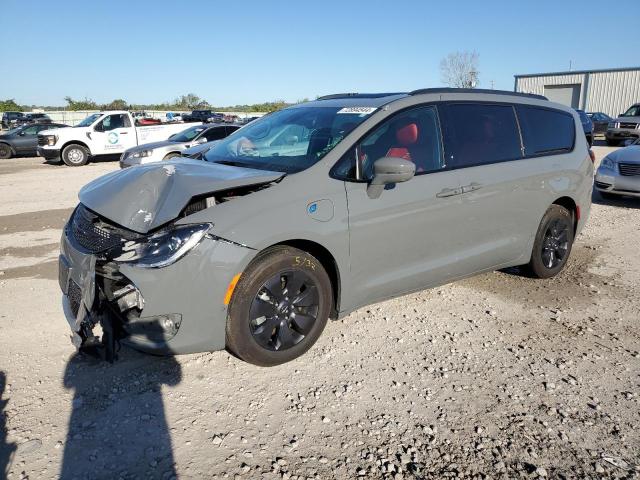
(318, 209)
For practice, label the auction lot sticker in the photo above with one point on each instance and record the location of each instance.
(358, 110)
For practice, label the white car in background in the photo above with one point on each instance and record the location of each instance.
(175, 145)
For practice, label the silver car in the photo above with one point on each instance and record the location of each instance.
(319, 209)
(626, 126)
(619, 173)
(175, 144)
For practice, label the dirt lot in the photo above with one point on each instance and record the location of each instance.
(496, 376)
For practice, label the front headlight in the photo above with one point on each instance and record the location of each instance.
(163, 248)
(51, 140)
(608, 163)
(611, 125)
(141, 154)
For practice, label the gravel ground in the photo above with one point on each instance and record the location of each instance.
(496, 376)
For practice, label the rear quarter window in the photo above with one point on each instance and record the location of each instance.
(546, 131)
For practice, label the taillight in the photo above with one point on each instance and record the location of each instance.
(592, 156)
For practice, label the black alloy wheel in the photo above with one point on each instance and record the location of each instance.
(553, 242)
(556, 243)
(284, 310)
(279, 307)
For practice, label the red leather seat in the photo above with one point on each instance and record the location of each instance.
(406, 136)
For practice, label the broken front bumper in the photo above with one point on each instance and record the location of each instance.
(175, 309)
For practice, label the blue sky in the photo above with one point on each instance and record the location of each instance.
(251, 51)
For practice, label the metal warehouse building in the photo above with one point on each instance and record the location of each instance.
(611, 91)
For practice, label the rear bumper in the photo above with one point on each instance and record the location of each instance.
(49, 153)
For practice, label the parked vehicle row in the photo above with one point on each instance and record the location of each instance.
(23, 140)
(103, 133)
(295, 218)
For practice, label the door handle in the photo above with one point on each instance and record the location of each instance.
(448, 192)
(471, 187)
(124, 133)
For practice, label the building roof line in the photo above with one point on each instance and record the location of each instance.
(578, 72)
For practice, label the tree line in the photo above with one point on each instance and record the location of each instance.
(187, 102)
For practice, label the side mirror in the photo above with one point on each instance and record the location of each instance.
(99, 128)
(389, 170)
(201, 140)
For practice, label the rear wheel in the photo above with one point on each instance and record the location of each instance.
(553, 243)
(279, 307)
(75, 155)
(5, 151)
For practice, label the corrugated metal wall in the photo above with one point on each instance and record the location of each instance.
(608, 92)
(613, 92)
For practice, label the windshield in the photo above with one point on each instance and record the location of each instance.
(89, 120)
(188, 134)
(634, 111)
(290, 140)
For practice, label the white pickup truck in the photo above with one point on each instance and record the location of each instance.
(104, 133)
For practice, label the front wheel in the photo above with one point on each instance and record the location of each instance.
(75, 155)
(553, 243)
(279, 307)
(5, 151)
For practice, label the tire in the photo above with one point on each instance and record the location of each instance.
(265, 324)
(5, 151)
(553, 242)
(612, 143)
(75, 155)
(171, 155)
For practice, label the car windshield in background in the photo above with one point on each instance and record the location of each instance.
(634, 111)
(290, 140)
(187, 135)
(89, 120)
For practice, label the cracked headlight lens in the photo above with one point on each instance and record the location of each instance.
(163, 248)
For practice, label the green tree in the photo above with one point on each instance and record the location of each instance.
(9, 105)
(86, 104)
(117, 104)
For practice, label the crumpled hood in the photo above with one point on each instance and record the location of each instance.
(147, 196)
(630, 154)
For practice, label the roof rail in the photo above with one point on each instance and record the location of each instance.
(358, 95)
(476, 90)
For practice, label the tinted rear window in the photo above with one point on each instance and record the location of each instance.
(478, 134)
(546, 131)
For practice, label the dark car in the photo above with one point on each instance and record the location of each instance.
(23, 140)
(9, 119)
(587, 126)
(31, 118)
(197, 116)
(600, 122)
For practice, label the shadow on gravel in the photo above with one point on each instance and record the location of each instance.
(118, 427)
(6, 449)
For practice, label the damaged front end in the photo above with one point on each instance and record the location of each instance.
(98, 293)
